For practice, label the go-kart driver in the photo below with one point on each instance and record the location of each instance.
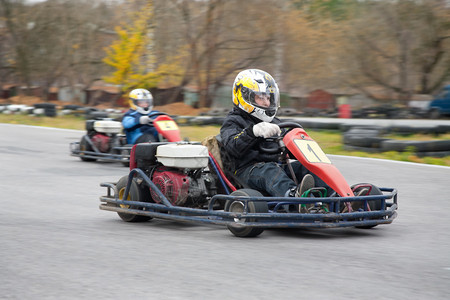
(256, 100)
(137, 121)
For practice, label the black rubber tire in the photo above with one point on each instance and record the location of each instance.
(50, 112)
(72, 107)
(419, 146)
(45, 105)
(374, 205)
(363, 137)
(253, 207)
(136, 194)
(84, 146)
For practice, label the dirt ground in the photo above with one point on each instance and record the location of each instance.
(177, 108)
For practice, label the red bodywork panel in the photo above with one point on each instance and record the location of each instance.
(309, 154)
(167, 127)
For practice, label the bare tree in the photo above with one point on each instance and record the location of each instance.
(402, 46)
(224, 37)
(56, 42)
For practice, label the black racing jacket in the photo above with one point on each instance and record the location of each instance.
(239, 146)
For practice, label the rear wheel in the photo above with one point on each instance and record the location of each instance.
(84, 146)
(237, 206)
(136, 194)
(373, 205)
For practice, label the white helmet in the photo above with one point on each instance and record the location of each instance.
(141, 100)
(250, 86)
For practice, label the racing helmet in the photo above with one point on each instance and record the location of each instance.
(141, 100)
(256, 92)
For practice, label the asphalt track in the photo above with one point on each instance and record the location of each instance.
(56, 244)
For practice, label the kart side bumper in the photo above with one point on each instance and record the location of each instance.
(113, 155)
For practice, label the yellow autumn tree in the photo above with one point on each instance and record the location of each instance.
(130, 55)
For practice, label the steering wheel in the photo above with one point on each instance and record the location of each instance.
(156, 114)
(277, 139)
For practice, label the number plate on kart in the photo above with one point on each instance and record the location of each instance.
(167, 125)
(312, 151)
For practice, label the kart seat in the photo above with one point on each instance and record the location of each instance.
(214, 144)
(143, 155)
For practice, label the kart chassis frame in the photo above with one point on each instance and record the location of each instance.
(272, 219)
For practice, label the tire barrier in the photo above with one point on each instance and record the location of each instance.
(363, 137)
(204, 120)
(370, 139)
(286, 112)
(216, 112)
(48, 108)
(418, 146)
(312, 124)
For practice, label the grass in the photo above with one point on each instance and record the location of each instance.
(330, 141)
(68, 122)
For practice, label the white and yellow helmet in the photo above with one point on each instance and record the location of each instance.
(141, 100)
(250, 83)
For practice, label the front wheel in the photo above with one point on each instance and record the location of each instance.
(237, 206)
(136, 194)
(374, 204)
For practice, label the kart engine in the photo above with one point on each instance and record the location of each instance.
(102, 132)
(183, 187)
(102, 142)
(181, 173)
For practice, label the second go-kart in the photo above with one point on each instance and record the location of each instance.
(184, 181)
(104, 139)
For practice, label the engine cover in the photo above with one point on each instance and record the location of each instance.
(101, 141)
(173, 184)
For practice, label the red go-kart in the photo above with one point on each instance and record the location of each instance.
(105, 141)
(183, 181)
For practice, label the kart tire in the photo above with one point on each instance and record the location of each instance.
(253, 207)
(374, 205)
(84, 146)
(136, 194)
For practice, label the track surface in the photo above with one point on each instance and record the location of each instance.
(56, 244)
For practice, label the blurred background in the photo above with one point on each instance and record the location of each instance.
(323, 53)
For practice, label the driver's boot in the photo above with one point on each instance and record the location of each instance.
(307, 183)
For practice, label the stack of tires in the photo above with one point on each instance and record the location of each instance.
(46, 109)
(370, 139)
(363, 139)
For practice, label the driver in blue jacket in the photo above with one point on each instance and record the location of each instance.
(137, 121)
(256, 100)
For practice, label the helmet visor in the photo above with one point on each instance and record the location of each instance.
(264, 100)
(144, 103)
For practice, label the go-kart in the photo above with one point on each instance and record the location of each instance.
(104, 139)
(184, 181)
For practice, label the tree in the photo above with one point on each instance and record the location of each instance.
(56, 42)
(402, 46)
(18, 35)
(128, 55)
(225, 37)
